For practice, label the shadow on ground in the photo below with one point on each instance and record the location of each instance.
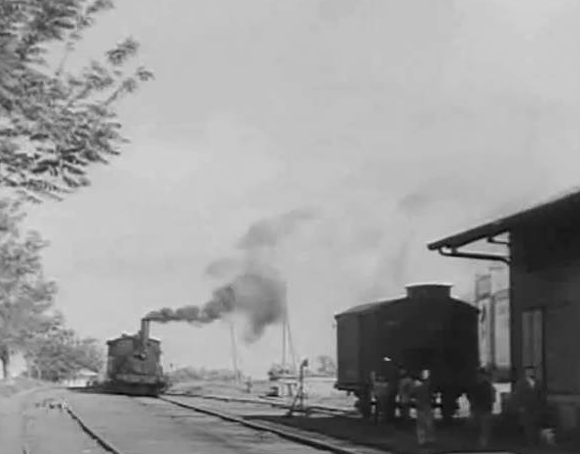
(460, 436)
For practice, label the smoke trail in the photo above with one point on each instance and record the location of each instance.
(269, 232)
(255, 288)
(260, 298)
(225, 268)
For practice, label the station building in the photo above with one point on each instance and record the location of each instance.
(541, 245)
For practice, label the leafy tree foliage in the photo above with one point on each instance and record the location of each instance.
(59, 353)
(276, 371)
(185, 374)
(326, 365)
(26, 297)
(54, 123)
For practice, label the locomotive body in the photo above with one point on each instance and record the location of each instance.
(427, 329)
(134, 364)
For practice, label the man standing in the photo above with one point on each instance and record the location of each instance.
(529, 398)
(482, 400)
(423, 397)
(405, 390)
(249, 384)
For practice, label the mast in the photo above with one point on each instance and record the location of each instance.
(284, 341)
(234, 351)
(287, 343)
(291, 344)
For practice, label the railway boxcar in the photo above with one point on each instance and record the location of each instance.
(134, 364)
(426, 329)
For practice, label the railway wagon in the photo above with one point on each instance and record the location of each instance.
(134, 364)
(426, 329)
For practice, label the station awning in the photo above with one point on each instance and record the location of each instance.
(562, 204)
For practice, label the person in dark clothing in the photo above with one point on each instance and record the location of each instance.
(405, 390)
(482, 400)
(529, 400)
(423, 402)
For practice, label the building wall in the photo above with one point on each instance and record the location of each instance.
(492, 299)
(501, 330)
(545, 313)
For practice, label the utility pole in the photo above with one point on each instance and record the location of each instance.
(287, 342)
(234, 351)
(291, 344)
(284, 340)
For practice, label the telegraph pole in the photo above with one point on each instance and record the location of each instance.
(234, 351)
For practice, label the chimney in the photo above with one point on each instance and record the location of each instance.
(145, 331)
(429, 291)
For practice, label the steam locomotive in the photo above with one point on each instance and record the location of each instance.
(134, 364)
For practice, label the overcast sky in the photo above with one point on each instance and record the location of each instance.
(396, 122)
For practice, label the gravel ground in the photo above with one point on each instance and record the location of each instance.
(387, 437)
(11, 423)
(26, 423)
(53, 431)
(152, 426)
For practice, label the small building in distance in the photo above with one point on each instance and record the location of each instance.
(81, 379)
(542, 247)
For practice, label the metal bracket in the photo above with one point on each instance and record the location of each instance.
(492, 240)
(453, 252)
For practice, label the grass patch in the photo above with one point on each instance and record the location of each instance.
(14, 386)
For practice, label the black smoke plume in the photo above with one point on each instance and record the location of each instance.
(261, 298)
(255, 288)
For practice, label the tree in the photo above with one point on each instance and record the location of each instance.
(326, 365)
(54, 123)
(59, 354)
(26, 297)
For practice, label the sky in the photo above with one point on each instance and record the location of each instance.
(394, 122)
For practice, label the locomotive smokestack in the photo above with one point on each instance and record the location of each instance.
(145, 326)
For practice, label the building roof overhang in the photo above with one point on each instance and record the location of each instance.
(561, 205)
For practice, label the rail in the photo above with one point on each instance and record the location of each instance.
(267, 401)
(287, 434)
(303, 439)
(99, 438)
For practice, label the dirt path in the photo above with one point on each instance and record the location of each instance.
(11, 421)
(28, 425)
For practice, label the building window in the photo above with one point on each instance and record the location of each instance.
(533, 340)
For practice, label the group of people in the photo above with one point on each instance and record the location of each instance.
(528, 401)
(387, 396)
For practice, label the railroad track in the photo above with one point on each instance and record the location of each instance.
(106, 444)
(327, 409)
(318, 441)
(315, 441)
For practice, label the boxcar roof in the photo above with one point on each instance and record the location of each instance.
(370, 307)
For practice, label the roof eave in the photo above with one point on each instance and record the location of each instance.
(508, 223)
(486, 231)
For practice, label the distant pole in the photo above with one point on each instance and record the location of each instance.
(284, 341)
(291, 343)
(234, 351)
